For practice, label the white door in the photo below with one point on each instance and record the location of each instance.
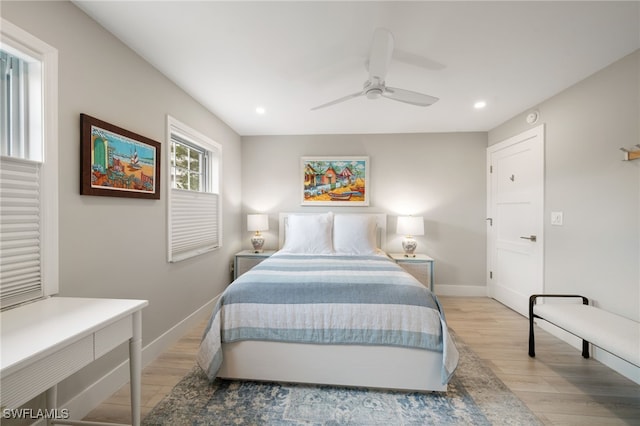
(515, 218)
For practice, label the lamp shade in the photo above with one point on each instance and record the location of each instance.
(257, 222)
(410, 225)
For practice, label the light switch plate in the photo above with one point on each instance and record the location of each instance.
(556, 218)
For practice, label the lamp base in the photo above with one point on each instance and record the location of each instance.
(257, 241)
(409, 245)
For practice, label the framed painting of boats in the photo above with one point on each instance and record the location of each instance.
(335, 181)
(115, 162)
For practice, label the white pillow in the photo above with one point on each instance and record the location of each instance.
(308, 234)
(354, 234)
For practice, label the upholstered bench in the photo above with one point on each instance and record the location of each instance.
(615, 334)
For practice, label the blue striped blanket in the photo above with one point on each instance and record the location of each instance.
(364, 300)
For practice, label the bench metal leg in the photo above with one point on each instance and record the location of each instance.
(532, 343)
(585, 349)
(532, 301)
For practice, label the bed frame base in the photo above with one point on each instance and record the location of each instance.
(341, 365)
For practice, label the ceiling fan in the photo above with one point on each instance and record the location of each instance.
(375, 87)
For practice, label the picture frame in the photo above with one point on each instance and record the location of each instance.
(115, 162)
(335, 181)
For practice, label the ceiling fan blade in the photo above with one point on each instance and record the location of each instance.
(337, 101)
(409, 97)
(381, 51)
(417, 60)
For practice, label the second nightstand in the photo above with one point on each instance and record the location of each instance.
(247, 259)
(420, 267)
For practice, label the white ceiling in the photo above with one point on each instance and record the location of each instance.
(291, 56)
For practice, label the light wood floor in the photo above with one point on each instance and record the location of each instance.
(559, 386)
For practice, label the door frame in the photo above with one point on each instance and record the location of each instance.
(535, 132)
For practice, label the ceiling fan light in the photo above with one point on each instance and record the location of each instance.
(374, 93)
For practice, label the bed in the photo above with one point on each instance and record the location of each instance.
(330, 308)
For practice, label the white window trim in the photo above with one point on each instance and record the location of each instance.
(176, 126)
(17, 38)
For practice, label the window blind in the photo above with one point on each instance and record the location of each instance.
(20, 251)
(194, 223)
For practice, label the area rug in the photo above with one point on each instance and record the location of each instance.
(475, 397)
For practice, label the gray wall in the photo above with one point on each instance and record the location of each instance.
(597, 251)
(117, 247)
(438, 176)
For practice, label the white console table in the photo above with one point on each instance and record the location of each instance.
(46, 341)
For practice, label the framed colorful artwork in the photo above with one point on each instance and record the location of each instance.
(115, 162)
(335, 181)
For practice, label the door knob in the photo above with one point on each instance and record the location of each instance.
(532, 238)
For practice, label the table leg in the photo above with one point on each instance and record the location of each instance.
(431, 275)
(135, 367)
(51, 400)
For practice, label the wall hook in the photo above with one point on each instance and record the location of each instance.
(631, 155)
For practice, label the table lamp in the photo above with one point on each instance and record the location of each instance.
(257, 223)
(410, 226)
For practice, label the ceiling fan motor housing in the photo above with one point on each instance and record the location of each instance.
(374, 93)
(373, 88)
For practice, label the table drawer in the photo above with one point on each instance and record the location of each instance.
(29, 382)
(244, 264)
(113, 335)
(421, 271)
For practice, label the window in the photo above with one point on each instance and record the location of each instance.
(188, 163)
(21, 94)
(28, 167)
(194, 192)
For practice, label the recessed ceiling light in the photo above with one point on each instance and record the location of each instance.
(260, 110)
(480, 104)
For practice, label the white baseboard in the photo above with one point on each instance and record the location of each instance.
(81, 404)
(621, 366)
(460, 290)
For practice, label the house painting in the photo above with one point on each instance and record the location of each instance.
(329, 177)
(310, 176)
(334, 179)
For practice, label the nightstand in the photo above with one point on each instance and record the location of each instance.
(420, 267)
(247, 259)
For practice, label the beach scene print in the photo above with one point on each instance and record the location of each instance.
(327, 181)
(120, 163)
